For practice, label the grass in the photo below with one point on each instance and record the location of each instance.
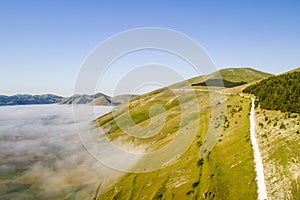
(230, 74)
(280, 147)
(234, 75)
(11, 175)
(225, 172)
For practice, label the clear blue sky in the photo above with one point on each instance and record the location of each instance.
(43, 43)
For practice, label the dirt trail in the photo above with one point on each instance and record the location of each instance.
(261, 186)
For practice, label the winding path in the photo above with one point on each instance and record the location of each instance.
(261, 186)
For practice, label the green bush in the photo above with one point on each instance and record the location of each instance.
(282, 126)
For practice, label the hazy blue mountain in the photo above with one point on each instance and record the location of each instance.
(98, 99)
(26, 99)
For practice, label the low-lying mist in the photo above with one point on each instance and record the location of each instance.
(41, 155)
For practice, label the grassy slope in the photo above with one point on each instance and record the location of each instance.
(278, 135)
(228, 171)
(234, 75)
(230, 74)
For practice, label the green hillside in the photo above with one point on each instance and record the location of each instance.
(279, 92)
(234, 75)
(247, 75)
(227, 171)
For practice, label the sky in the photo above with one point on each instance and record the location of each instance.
(43, 44)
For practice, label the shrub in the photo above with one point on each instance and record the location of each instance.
(195, 184)
(200, 162)
(282, 126)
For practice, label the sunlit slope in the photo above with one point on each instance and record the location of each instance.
(278, 135)
(247, 75)
(227, 172)
(278, 132)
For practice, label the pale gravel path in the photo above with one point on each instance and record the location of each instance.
(261, 186)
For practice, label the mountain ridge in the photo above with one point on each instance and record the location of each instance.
(95, 99)
(229, 75)
(27, 99)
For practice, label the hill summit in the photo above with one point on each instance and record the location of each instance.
(235, 75)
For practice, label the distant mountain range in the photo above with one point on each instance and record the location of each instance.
(96, 99)
(231, 77)
(26, 99)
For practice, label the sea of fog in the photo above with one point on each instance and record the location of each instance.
(42, 156)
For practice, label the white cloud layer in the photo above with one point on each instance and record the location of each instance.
(40, 148)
